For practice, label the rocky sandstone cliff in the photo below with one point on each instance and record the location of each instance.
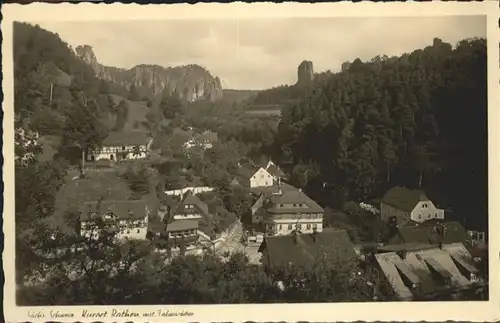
(191, 82)
(305, 73)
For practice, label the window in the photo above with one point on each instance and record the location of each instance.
(435, 215)
(420, 216)
(123, 147)
(315, 226)
(289, 227)
(300, 205)
(138, 230)
(424, 205)
(281, 205)
(279, 227)
(294, 205)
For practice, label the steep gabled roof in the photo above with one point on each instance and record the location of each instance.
(303, 249)
(447, 232)
(191, 199)
(126, 138)
(403, 198)
(124, 210)
(246, 171)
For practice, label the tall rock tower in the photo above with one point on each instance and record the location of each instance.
(305, 73)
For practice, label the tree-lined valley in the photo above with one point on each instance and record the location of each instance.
(338, 140)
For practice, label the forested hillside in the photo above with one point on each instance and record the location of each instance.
(418, 120)
(55, 92)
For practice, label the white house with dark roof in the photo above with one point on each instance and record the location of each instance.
(130, 218)
(407, 205)
(122, 146)
(252, 177)
(288, 211)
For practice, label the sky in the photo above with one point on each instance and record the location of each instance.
(259, 54)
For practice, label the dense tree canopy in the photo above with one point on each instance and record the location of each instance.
(417, 120)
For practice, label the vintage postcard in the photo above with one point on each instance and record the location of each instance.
(251, 162)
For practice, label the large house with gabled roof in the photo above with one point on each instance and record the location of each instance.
(288, 211)
(129, 217)
(124, 145)
(304, 249)
(432, 233)
(180, 220)
(405, 205)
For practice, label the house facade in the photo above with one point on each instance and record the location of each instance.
(122, 146)
(407, 205)
(128, 218)
(181, 221)
(252, 177)
(286, 212)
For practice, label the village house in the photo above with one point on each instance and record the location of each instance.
(288, 211)
(180, 220)
(252, 177)
(205, 140)
(129, 218)
(404, 205)
(427, 272)
(303, 249)
(122, 146)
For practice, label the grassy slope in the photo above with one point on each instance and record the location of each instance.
(137, 111)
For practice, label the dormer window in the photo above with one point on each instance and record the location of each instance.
(123, 147)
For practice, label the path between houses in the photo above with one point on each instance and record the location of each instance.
(232, 241)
